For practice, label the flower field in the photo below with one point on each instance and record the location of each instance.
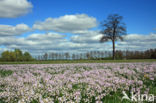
(75, 83)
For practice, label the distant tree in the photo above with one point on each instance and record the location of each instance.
(5, 56)
(15, 55)
(45, 56)
(60, 56)
(67, 56)
(53, 56)
(12, 56)
(119, 54)
(81, 56)
(88, 55)
(27, 56)
(98, 54)
(102, 54)
(39, 57)
(112, 29)
(56, 56)
(73, 56)
(18, 55)
(94, 54)
(77, 56)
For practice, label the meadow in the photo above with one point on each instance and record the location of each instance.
(77, 61)
(76, 82)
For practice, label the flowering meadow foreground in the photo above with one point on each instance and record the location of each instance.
(76, 83)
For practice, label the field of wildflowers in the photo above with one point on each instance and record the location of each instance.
(75, 83)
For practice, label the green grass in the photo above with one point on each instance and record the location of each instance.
(5, 73)
(80, 61)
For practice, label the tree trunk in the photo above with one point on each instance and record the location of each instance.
(113, 50)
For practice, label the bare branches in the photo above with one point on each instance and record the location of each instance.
(121, 38)
(105, 38)
(113, 29)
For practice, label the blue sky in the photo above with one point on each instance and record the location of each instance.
(139, 16)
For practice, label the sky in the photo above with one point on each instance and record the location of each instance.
(40, 26)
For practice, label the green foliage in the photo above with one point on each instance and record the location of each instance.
(2, 100)
(27, 56)
(6, 56)
(18, 54)
(5, 73)
(34, 101)
(15, 55)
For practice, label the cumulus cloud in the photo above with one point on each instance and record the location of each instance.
(8, 30)
(34, 41)
(131, 41)
(67, 23)
(138, 42)
(87, 37)
(49, 42)
(39, 43)
(47, 36)
(14, 8)
(84, 38)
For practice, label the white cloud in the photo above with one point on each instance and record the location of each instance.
(3, 49)
(39, 43)
(138, 37)
(138, 42)
(87, 37)
(54, 42)
(8, 30)
(67, 23)
(43, 43)
(131, 41)
(14, 8)
(34, 41)
(47, 36)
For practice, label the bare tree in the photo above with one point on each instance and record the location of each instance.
(113, 29)
(67, 56)
(73, 56)
(45, 56)
(88, 55)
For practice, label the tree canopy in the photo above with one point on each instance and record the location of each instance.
(16, 55)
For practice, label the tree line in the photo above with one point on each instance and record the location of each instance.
(73, 56)
(147, 54)
(16, 55)
(100, 55)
